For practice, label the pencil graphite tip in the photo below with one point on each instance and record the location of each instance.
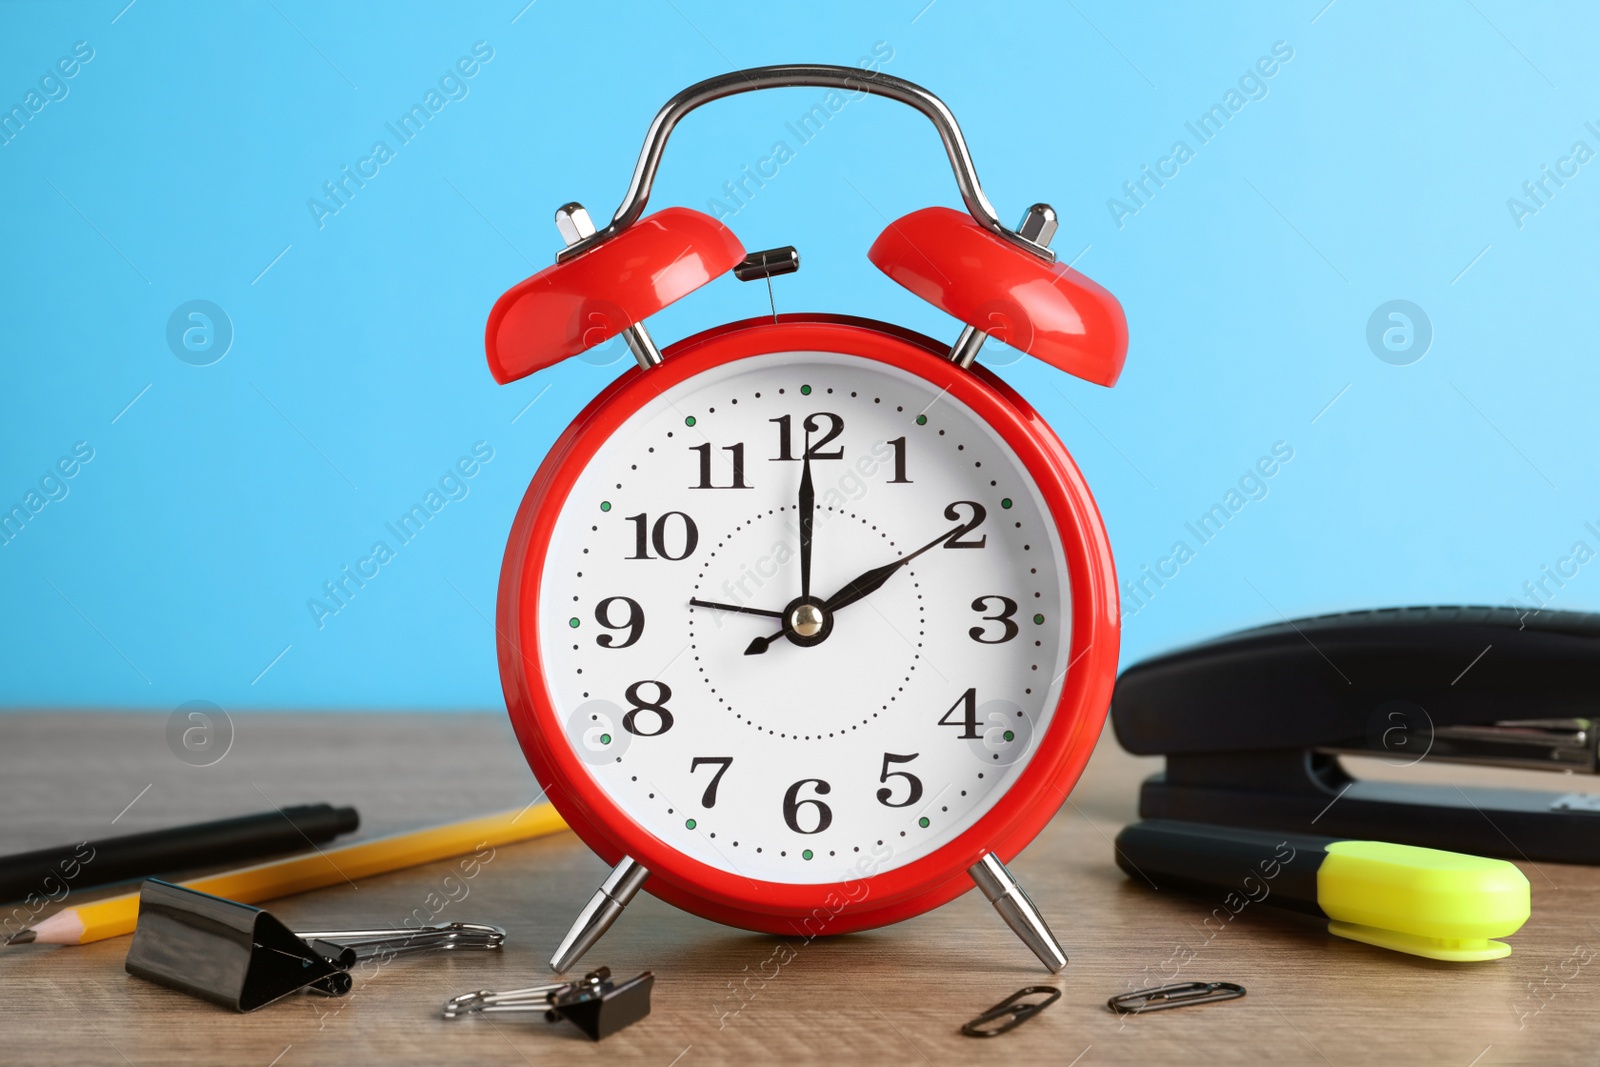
(22, 937)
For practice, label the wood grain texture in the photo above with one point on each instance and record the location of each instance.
(895, 995)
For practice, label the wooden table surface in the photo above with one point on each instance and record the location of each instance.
(896, 995)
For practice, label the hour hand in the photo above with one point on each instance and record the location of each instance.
(741, 609)
(863, 584)
(870, 581)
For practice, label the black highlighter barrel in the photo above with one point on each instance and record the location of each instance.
(51, 873)
(1218, 860)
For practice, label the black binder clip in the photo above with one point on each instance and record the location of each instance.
(242, 958)
(596, 1005)
(1012, 1011)
(228, 953)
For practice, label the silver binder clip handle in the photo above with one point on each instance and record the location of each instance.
(535, 998)
(399, 941)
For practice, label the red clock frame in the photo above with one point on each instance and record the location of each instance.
(918, 886)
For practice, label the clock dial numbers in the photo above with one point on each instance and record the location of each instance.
(1005, 617)
(662, 718)
(899, 446)
(737, 479)
(708, 799)
(968, 704)
(792, 803)
(634, 623)
(915, 792)
(685, 537)
(892, 725)
(813, 424)
(953, 513)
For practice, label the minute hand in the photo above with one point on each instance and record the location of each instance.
(869, 581)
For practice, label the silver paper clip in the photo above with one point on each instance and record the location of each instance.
(394, 942)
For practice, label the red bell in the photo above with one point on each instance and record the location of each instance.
(1047, 310)
(605, 290)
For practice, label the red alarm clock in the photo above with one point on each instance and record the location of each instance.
(808, 623)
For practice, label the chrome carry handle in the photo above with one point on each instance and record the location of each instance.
(851, 79)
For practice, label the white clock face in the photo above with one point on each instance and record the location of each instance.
(879, 713)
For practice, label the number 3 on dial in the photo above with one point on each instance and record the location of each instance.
(1008, 608)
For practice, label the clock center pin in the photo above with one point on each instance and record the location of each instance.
(806, 620)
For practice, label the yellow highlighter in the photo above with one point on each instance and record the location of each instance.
(1442, 905)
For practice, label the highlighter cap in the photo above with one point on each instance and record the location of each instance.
(1442, 905)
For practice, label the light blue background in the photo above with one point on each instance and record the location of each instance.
(1377, 167)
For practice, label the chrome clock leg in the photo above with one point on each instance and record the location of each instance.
(602, 910)
(1017, 910)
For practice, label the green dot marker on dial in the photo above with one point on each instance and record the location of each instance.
(1005, 502)
(605, 505)
(1009, 736)
(1038, 620)
(922, 420)
(805, 390)
(923, 822)
(605, 739)
(806, 854)
(573, 622)
(688, 420)
(689, 823)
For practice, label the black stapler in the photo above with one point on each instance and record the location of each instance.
(1252, 726)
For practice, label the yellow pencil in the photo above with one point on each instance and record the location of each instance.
(298, 874)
